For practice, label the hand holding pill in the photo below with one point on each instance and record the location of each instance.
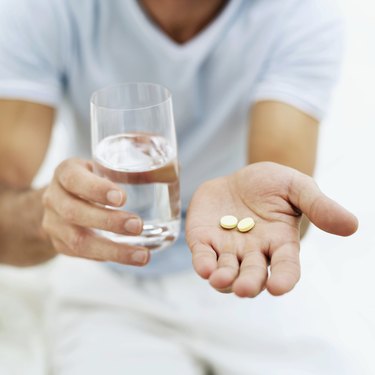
(239, 225)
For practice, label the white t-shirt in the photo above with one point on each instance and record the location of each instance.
(285, 50)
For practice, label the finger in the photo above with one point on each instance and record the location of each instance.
(226, 272)
(204, 259)
(253, 275)
(322, 211)
(285, 269)
(76, 177)
(84, 243)
(76, 211)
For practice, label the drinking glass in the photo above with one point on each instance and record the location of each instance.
(134, 144)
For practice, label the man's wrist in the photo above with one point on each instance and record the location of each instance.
(23, 240)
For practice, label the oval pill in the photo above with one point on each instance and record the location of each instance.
(228, 222)
(246, 224)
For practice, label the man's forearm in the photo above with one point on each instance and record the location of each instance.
(22, 241)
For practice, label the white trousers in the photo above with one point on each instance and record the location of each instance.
(102, 322)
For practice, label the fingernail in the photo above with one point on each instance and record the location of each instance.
(140, 257)
(133, 225)
(115, 197)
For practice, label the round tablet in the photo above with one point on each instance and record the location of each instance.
(246, 224)
(228, 222)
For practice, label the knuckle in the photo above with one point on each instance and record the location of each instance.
(67, 178)
(110, 222)
(228, 260)
(68, 211)
(61, 167)
(121, 256)
(58, 246)
(76, 242)
(45, 224)
(46, 227)
(47, 200)
(65, 173)
(227, 257)
(97, 189)
(116, 253)
(288, 261)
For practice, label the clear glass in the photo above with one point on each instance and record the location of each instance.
(134, 144)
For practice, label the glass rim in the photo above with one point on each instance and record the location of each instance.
(103, 107)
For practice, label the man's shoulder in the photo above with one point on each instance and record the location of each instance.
(24, 12)
(283, 16)
(36, 8)
(297, 8)
(45, 10)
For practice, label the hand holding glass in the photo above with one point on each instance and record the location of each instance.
(134, 144)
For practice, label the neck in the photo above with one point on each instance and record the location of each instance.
(181, 20)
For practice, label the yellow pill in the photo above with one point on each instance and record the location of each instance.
(246, 224)
(228, 222)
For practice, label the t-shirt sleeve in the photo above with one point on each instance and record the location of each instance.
(305, 61)
(31, 62)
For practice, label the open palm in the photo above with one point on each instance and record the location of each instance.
(275, 196)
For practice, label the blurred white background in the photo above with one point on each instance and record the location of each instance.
(341, 268)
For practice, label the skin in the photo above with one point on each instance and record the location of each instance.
(285, 135)
(25, 130)
(274, 196)
(35, 225)
(181, 20)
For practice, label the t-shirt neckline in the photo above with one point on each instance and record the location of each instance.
(204, 37)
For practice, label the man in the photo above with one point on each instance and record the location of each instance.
(250, 83)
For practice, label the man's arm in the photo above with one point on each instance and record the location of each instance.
(37, 224)
(283, 134)
(25, 130)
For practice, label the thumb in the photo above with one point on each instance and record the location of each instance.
(322, 211)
